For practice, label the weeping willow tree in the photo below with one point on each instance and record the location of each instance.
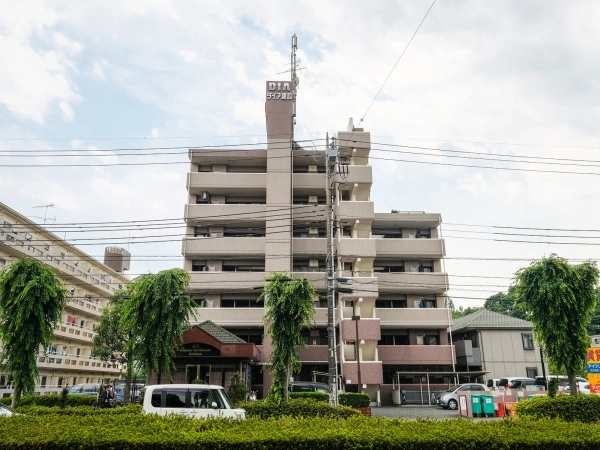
(289, 308)
(156, 314)
(559, 299)
(32, 300)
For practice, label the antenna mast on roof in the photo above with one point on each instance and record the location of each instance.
(51, 205)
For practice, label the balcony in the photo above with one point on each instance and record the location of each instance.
(357, 247)
(314, 353)
(414, 317)
(408, 219)
(362, 287)
(308, 213)
(351, 211)
(309, 182)
(224, 246)
(226, 182)
(74, 332)
(247, 317)
(310, 246)
(85, 307)
(415, 354)
(348, 140)
(368, 329)
(247, 157)
(371, 372)
(413, 282)
(223, 213)
(411, 248)
(356, 175)
(227, 281)
(78, 363)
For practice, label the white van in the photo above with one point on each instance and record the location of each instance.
(193, 400)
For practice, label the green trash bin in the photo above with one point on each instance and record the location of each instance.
(476, 408)
(487, 402)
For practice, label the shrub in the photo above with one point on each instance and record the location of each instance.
(300, 407)
(129, 432)
(237, 389)
(582, 408)
(552, 386)
(316, 396)
(52, 400)
(355, 400)
(78, 410)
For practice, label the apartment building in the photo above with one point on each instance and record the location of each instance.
(67, 360)
(251, 212)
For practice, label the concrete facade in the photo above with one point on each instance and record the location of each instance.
(251, 212)
(68, 360)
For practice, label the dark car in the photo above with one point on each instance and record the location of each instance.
(308, 386)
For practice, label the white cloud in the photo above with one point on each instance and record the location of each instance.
(99, 68)
(187, 56)
(154, 133)
(67, 111)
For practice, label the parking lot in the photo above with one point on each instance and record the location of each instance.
(413, 412)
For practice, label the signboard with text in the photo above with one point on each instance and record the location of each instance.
(593, 369)
(195, 349)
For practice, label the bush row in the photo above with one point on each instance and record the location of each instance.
(52, 400)
(354, 399)
(317, 396)
(78, 410)
(297, 407)
(137, 431)
(580, 408)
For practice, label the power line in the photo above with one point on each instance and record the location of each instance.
(397, 61)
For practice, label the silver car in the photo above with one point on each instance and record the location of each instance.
(449, 398)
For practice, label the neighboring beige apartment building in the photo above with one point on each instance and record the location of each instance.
(68, 359)
(254, 211)
(501, 345)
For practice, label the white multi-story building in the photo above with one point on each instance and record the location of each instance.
(67, 361)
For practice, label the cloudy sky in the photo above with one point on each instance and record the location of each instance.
(485, 84)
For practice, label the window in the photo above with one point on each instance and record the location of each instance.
(155, 401)
(175, 398)
(423, 234)
(202, 398)
(527, 341)
(532, 372)
(7, 225)
(426, 268)
(2, 262)
(42, 382)
(432, 340)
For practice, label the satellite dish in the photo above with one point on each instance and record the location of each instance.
(296, 82)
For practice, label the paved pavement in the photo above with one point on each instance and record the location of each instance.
(412, 412)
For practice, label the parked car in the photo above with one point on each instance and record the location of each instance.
(308, 386)
(193, 400)
(6, 411)
(84, 389)
(583, 389)
(515, 382)
(563, 381)
(492, 383)
(449, 398)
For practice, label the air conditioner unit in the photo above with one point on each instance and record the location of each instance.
(417, 303)
(313, 199)
(314, 342)
(312, 168)
(209, 303)
(414, 267)
(313, 263)
(420, 340)
(313, 231)
(28, 236)
(204, 197)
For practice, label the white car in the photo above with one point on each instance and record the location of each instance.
(449, 398)
(192, 400)
(581, 388)
(6, 411)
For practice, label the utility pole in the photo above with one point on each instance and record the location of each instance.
(331, 159)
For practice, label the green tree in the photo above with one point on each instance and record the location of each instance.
(237, 389)
(594, 325)
(32, 300)
(289, 309)
(505, 304)
(559, 299)
(113, 338)
(156, 314)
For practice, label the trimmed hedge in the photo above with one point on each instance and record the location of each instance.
(355, 399)
(579, 408)
(136, 432)
(317, 396)
(52, 400)
(78, 410)
(299, 407)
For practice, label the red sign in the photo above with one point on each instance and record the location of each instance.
(595, 388)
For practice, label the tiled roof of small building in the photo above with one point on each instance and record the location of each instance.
(485, 319)
(220, 333)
